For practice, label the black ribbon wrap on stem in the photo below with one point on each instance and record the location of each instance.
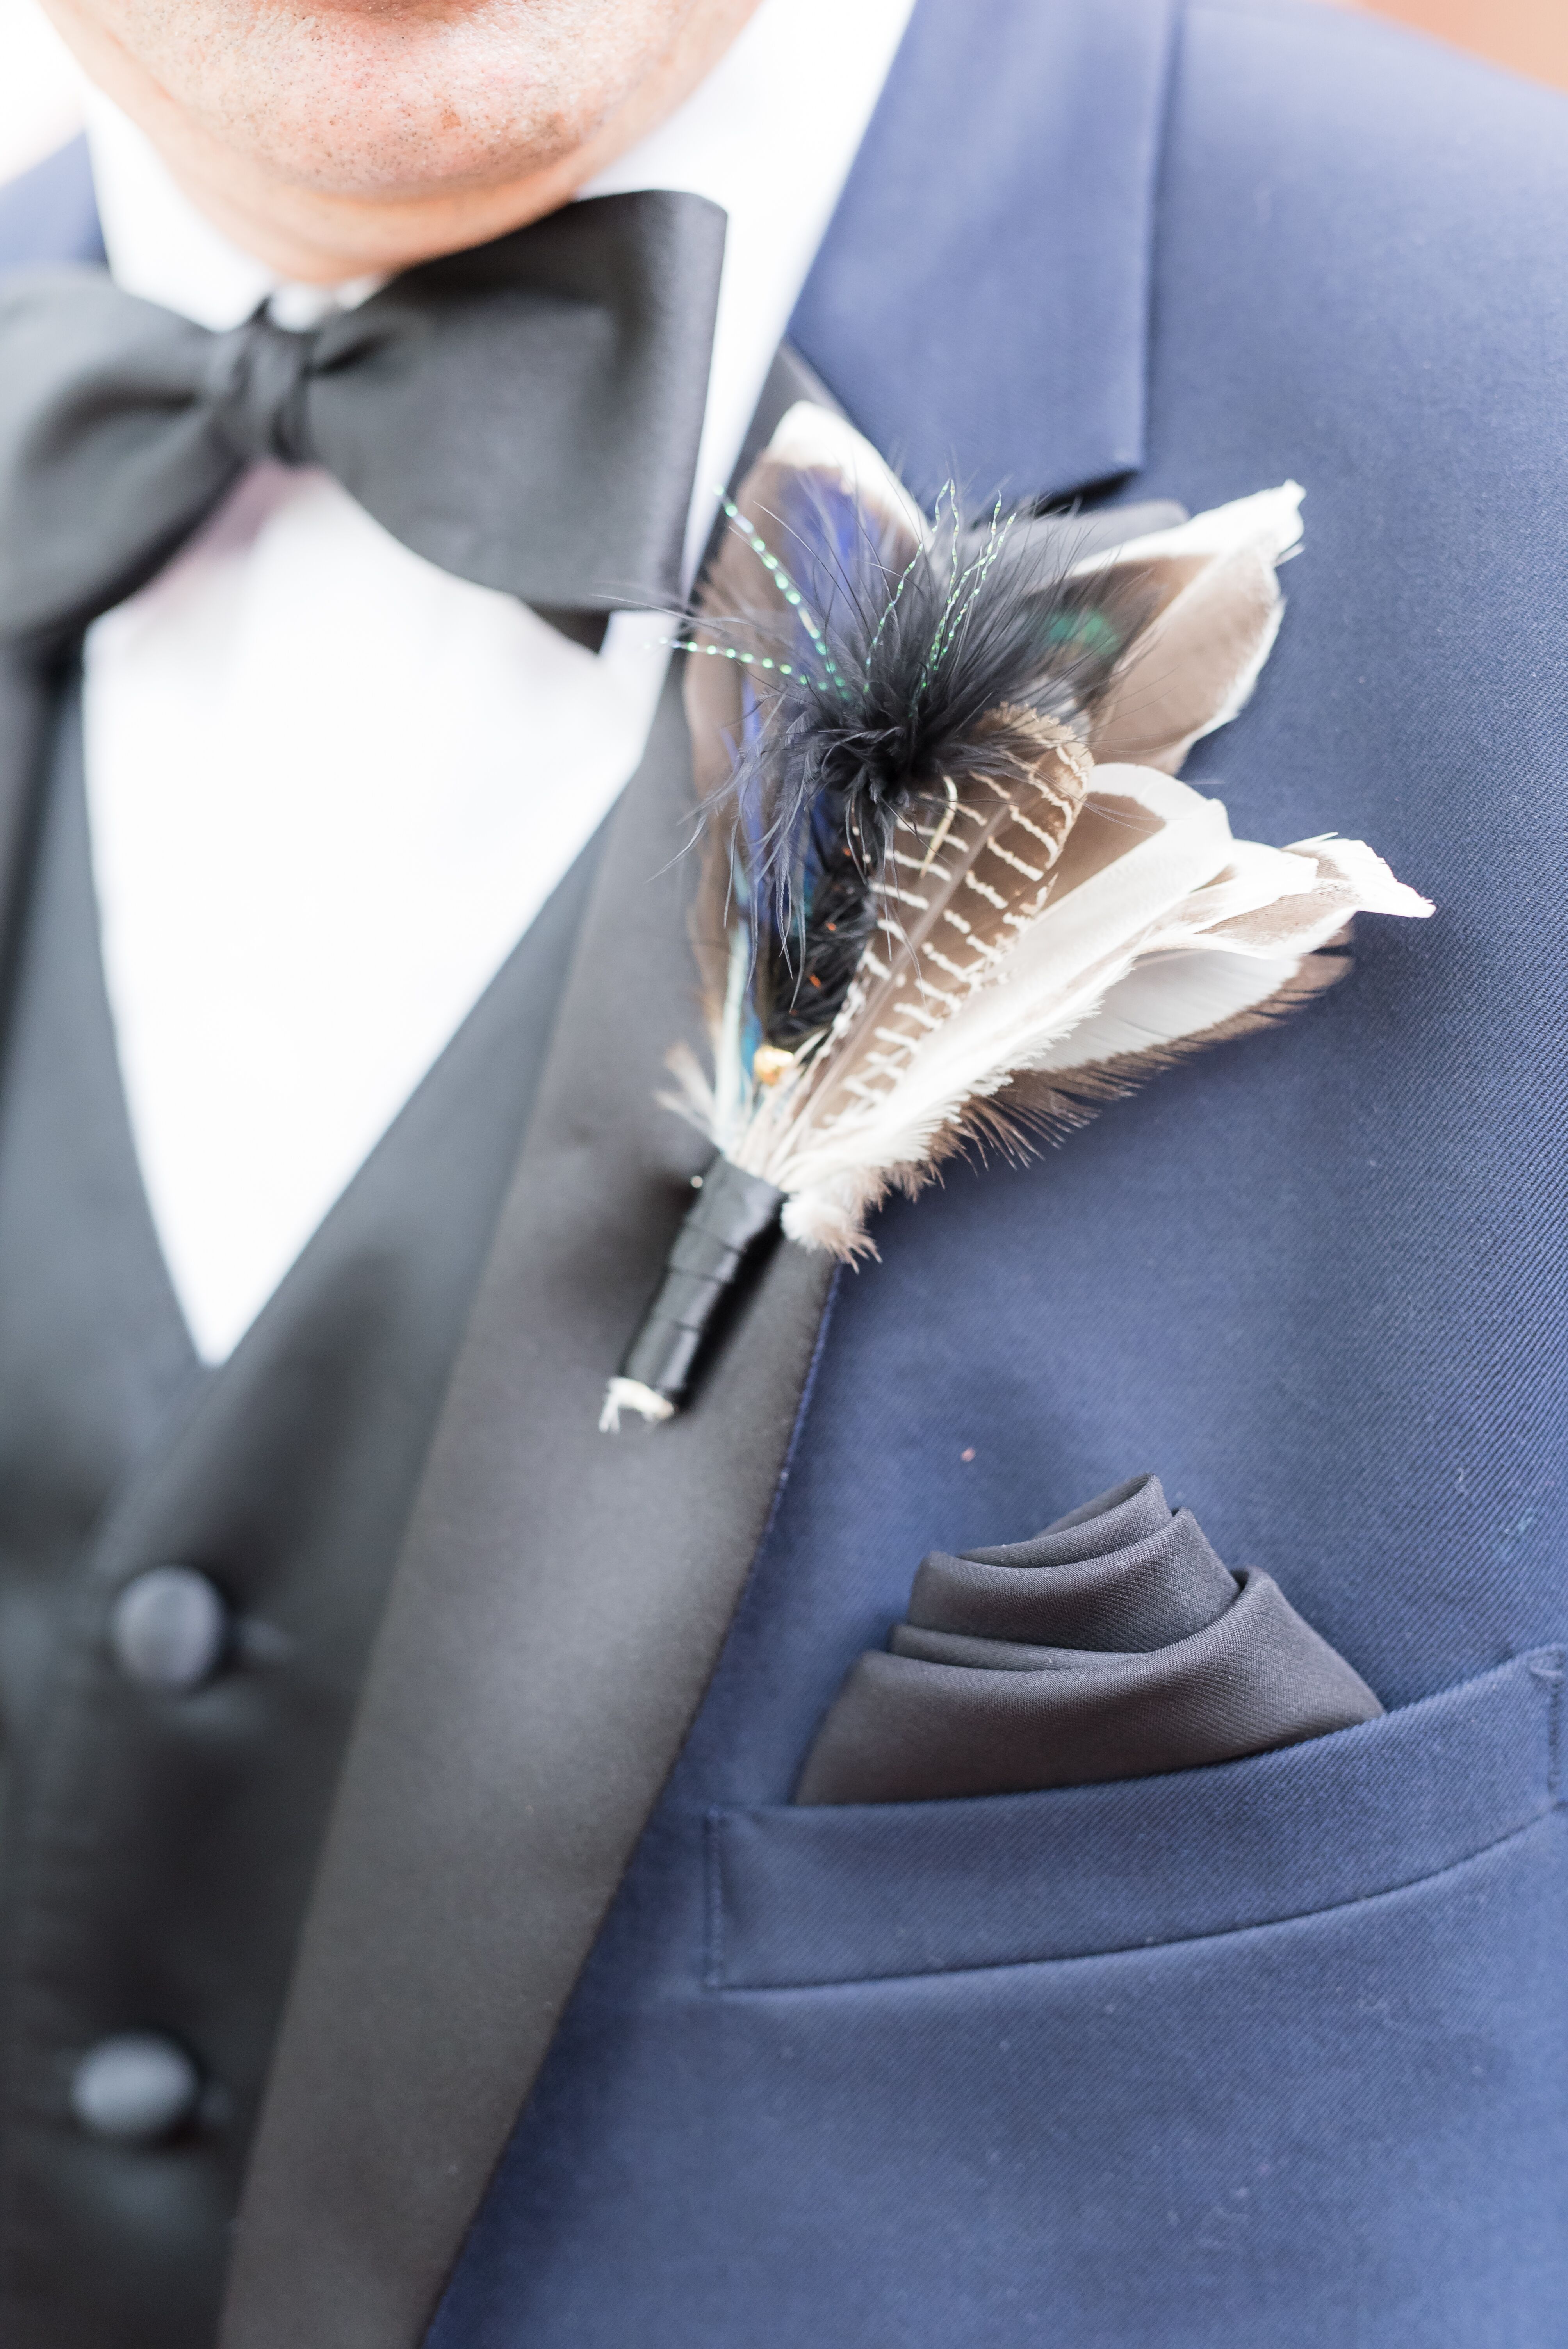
(732, 1213)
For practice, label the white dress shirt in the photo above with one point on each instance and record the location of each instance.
(330, 785)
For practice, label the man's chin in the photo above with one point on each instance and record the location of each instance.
(396, 153)
(371, 101)
(340, 137)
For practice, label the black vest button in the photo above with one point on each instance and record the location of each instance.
(136, 2088)
(170, 1627)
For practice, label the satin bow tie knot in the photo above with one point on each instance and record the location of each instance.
(526, 415)
(255, 383)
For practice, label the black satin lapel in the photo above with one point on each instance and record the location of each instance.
(555, 1617)
(29, 695)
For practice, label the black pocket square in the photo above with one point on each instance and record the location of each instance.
(1114, 1645)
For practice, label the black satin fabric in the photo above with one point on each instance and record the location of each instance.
(158, 1846)
(525, 415)
(1114, 1645)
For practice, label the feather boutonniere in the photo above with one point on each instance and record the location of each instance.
(951, 893)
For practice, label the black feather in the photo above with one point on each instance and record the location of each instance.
(869, 688)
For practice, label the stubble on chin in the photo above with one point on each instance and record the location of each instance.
(386, 100)
(338, 139)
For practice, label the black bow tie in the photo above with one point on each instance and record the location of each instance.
(525, 414)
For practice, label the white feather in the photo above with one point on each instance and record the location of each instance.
(1165, 999)
(1268, 519)
(1186, 929)
(1194, 667)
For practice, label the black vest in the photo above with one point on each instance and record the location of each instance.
(157, 1843)
(163, 1814)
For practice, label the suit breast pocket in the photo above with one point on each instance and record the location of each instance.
(1273, 2053)
(803, 1895)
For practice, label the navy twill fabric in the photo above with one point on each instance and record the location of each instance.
(933, 1888)
(1277, 2052)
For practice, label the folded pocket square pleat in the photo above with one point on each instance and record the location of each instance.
(1114, 1645)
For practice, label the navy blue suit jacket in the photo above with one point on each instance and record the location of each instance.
(1278, 2052)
